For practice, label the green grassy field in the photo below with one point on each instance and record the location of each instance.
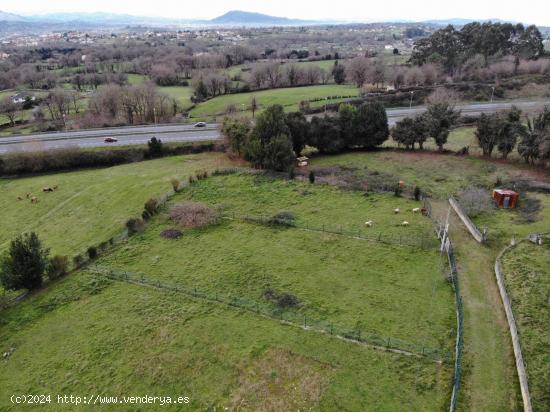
(181, 94)
(353, 283)
(287, 97)
(165, 343)
(503, 224)
(437, 174)
(90, 205)
(527, 276)
(67, 341)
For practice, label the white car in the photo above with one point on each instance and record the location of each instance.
(200, 124)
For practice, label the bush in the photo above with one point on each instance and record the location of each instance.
(78, 261)
(175, 184)
(171, 233)
(58, 266)
(417, 193)
(193, 215)
(476, 200)
(92, 252)
(154, 147)
(71, 159)
(398, 190)
(283, 300)
(134, 226)
(311, 177)
(24, 263)
(283, 218)
(150, 208)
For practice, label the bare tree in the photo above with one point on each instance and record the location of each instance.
(253, 105)
(9, 109)
(357, 71)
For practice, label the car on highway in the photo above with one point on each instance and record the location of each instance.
(200, 124)
(110, 140)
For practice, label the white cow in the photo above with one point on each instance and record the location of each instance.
(369, 223)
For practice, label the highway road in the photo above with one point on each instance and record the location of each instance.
(188, 133)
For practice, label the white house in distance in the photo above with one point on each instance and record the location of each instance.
(21, 97)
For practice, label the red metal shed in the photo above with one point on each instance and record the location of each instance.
(505, 198)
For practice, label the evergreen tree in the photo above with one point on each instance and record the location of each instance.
(24, 263)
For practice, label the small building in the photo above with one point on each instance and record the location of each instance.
(22, 97)
(505, 198)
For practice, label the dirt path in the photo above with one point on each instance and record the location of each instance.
(489, 380)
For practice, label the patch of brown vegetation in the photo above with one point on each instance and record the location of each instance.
(280, 381)
(193, 215)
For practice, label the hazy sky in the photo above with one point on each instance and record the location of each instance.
(528, 11)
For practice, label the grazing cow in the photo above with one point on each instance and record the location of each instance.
(47, 189)
(424, 211)
(369, 223)
(416, 210)
(34, 199)
(404, 223)
(55, 187)
(396, 210)
(19, 198)
(29, 195)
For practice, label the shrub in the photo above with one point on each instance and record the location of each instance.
(58, 266)
(283, 218)
(150, 208)
(417, 193)
(78, 261)
(171, 233)
(193, 215)
(311, 177)
(154, 147)
(134, 226)
(175, 184)
(92, 252)
(476, 200)
(24, 263)
(283, 300)
(398, 190)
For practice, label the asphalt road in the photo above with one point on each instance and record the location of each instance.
(188, 133)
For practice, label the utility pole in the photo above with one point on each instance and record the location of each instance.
(411, 102)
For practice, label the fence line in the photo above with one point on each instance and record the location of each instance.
(421, 240)
(447, 246)
(520, 366)
(288, 317)
(481, 237)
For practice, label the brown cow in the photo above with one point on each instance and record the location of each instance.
(34, 199)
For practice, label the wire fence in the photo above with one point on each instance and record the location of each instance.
(282, 314)
(447, 247)
(421, 240)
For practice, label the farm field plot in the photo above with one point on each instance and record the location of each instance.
(314, 206)
(532, 215)
(527, 276)
(386, 290)
(90, 206)
(287, 97)
(434, 173)
(65, 339)
(181, 94)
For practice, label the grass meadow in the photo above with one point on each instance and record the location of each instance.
(90, 205)
(527, 277)
(287, 97)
